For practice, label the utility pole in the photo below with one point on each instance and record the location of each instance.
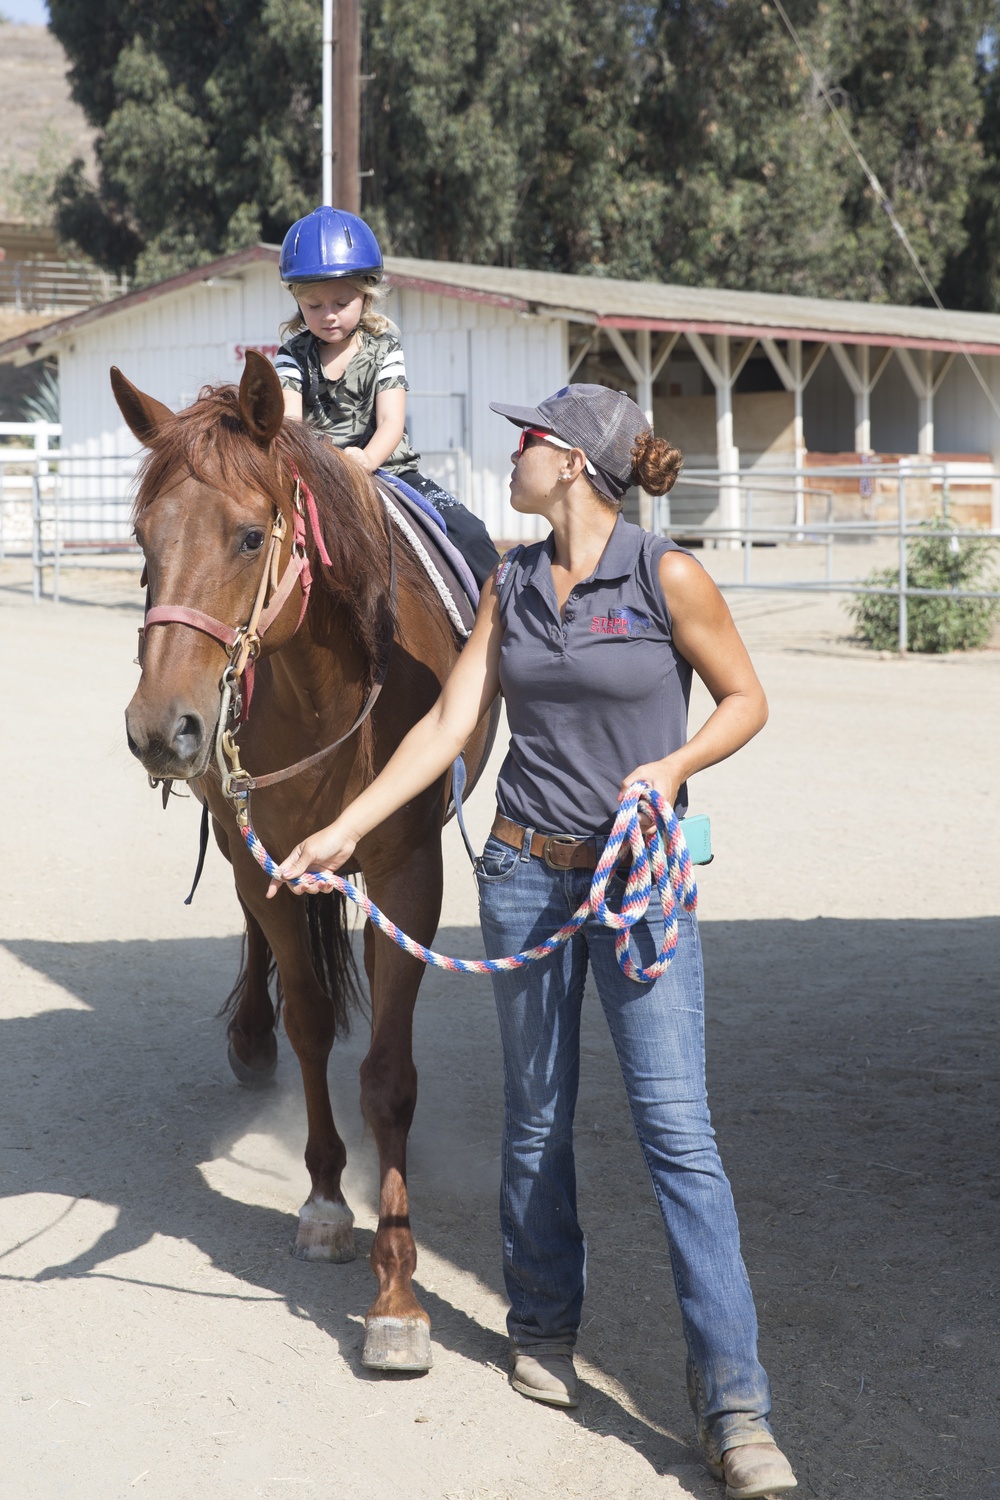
(347, 105)
(327, 53)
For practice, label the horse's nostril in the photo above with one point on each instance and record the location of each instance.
(131, 742)
(188, 733)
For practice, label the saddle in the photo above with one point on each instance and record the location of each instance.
(424, 529)
(448, 571)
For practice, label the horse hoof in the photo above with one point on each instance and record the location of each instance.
(259, 1074)
(397, 1344)
(326, 1232)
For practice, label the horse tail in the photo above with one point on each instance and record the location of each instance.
(332, 959)
(333, 956)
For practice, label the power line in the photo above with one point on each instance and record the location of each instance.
(882, 197)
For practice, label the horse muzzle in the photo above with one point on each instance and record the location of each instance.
(175, 745)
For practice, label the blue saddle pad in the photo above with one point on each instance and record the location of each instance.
(433, 529)
(429, 510)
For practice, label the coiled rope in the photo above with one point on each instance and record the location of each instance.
(665, 860)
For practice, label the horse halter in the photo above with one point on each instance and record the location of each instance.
(243, 643)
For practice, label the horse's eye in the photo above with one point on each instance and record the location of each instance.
(252, 542)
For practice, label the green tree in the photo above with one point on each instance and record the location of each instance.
(502, 131)
(208, 114)
(733, 126)
(972, 277)
(684, 140)
(768, 193)
(936, 559)
(910, 80)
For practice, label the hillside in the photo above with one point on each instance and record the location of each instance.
(38, 118)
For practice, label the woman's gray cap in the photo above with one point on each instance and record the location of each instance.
(604, 423)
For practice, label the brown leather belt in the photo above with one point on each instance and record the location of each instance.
(560, 851)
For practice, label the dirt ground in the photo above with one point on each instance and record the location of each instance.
(160, 1340)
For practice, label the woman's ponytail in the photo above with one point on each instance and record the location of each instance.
(655, 463)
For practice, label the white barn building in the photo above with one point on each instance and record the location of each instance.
(742, 381)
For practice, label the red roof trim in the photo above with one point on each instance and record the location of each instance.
(809, 335)
(451, 289)
(46, 332)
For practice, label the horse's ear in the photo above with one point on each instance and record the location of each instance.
(144, 414)
(262, 406)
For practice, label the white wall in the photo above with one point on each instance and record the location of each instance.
(460, 355)
(169, 347)
(964, 420)
(481, 354)
(828, 410)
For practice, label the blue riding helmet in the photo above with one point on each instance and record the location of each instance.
(328, 245)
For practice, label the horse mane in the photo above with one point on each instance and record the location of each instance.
(209, 441)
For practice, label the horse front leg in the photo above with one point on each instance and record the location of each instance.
(326, 1224)
(397, 1329)
(253, 1047)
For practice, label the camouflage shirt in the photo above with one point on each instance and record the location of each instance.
(345, 408)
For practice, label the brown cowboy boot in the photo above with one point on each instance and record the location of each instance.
(753, 1471)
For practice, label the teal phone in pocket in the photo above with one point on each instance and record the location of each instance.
(697, 830)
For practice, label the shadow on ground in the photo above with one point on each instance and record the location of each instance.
(853, 1074)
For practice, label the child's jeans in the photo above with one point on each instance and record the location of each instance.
(464, 529)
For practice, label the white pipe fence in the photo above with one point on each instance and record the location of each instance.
(59, 509)
(911, 494)
(63, 510)
(66, 510)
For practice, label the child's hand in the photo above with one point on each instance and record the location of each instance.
(359, 456)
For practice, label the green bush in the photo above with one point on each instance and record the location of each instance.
(938, 559)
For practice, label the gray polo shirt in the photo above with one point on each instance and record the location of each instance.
(592, 695)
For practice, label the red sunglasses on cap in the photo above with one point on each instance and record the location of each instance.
(551, 439)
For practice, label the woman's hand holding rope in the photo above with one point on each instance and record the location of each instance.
(316, 858)
(664, 860)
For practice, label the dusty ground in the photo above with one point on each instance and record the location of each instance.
(161, 1341)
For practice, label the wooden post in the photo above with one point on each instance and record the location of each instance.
(328, 103)
(347, 106)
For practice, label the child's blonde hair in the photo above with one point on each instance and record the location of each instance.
(371, 320)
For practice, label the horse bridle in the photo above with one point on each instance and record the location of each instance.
(243, 643)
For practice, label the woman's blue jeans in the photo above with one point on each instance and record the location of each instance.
(658, 1033)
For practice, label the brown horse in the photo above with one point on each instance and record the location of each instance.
(216, 484)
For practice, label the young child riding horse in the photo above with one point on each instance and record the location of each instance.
(341, 365)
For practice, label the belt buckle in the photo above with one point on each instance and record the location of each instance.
(559, 841)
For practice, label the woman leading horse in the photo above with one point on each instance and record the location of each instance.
(272, 576)
(593, 636)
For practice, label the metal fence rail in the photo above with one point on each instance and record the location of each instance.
(940, 488)
(61, 510)
(40, 285)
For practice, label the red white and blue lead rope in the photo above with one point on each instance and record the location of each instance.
(665, 860)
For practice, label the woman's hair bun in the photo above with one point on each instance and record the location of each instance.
(655, 463)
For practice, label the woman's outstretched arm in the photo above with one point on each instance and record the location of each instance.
(427, 751)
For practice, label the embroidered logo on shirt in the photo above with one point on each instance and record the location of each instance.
(504, 568)
(619, 621)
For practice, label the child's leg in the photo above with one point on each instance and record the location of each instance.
(464, 529)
